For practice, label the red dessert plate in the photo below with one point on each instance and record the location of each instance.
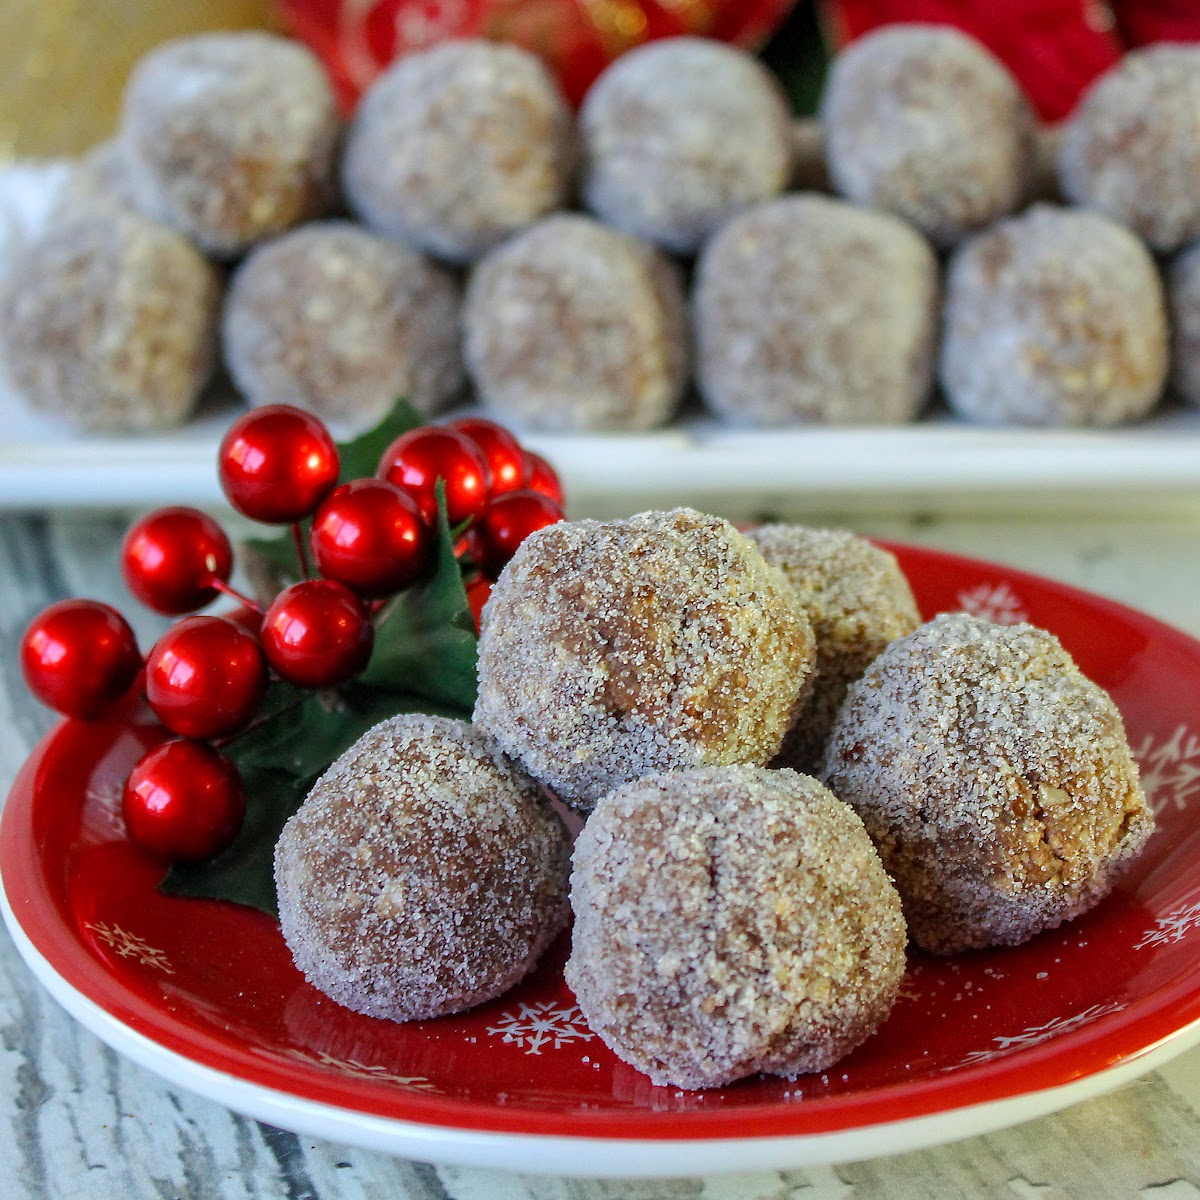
(205, 994)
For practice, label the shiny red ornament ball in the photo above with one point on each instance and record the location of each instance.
(544, 478)
(79, 657)
(415, 461)
(277, 463)
(317, 633)
(205, 677)
(183, 802)
(171, 558)
(508, 521)
(370, 535)
(506, 460)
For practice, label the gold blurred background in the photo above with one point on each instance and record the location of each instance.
(63, 63)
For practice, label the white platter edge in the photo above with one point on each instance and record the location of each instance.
(580, 1157)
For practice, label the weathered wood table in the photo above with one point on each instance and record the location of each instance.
(79, 1121)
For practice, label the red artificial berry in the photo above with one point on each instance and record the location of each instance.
(245, 617)
(171, 559)
(544, 478)
(505, 458)
(415, 462)
(277, 463)
(369, 535)
(508, 521)
(478, 592)
(183, 802)
(317, 633)
(79, 657)
(205, 677)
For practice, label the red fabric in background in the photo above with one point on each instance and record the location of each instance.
(1144, 21)
(577, 38)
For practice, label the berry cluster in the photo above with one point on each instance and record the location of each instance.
(206, 677)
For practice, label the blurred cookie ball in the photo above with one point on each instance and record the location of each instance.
(678, 135)
(1131, 149)
(99, 182)
(922, 121)
(808, 309)
(574, 326)
(456, 148)
(341, 322)
(1055, 317)
(1183, 295)
(230, 137)
(110, 324)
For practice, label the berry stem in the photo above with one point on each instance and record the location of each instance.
(301, 553)
(221, 586)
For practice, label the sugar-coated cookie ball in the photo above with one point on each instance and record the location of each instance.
(110, 324)
(230, 137)
(423, 875)
(574, 326)
(679, 134)
(455, 148)
(922, 121)
(340, 321)
(1131, 149)
(730, 920)
(994, 778)
(609, 650)
(857, 599)
(809, 309)
(1055, 317)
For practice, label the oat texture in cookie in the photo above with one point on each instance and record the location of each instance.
(609, 650)
(857, 599)
(993, 776)
(730, 920)
(424, 873)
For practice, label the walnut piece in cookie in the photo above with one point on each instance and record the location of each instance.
(730, 920)
(574, 326)
(455, 148)
(924, 122)
(678, 135)
(857, 600)
(809, 309)
(110, 324)
(1055, 317)
(994, 778)
(340, 321)
(424, 873)
(609, 650)
(230, 137)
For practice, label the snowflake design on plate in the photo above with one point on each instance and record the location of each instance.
(536, 1025)
(995, 602)
(1035, 1035)
(351, 1066)
(128, 945)
(1170, 769)
(1173, 926)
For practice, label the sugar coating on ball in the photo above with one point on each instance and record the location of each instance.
(424, 873)
(730, 920)
(339, 321)
(97, 184)
(230, 137)
(455, 148)
(1055, 317)
(809, 309)
(1131, 151)
(609, 650)
(1183, 295)
(679, 134)
(573, 326)
(110, 324)
(994, 778)
(924, 122)
(857, 599)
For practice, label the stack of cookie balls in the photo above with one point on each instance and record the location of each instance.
(465, 236)
(784, 777)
